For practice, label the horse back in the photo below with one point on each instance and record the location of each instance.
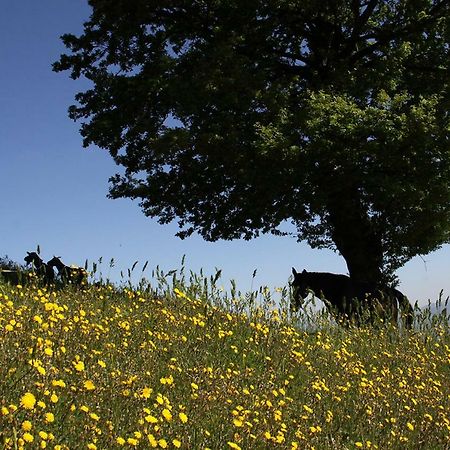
(333, 285)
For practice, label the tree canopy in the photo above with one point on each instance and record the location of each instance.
(235, 117)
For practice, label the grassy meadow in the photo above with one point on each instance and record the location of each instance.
(183, 365)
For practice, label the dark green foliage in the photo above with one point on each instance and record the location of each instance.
(8, 264)
(234, 117)
(11, 271)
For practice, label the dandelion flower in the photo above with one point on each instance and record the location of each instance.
(183, 417)
(238, 422)
(152, 441)
(121, 440)
(233, 445)
(43, 435)
(28, 400)
(176, 443)
(26, 425)
(89, 385)
(27, 437)
(167, 414)
(146, 392)
(79, 366)
(151, 419)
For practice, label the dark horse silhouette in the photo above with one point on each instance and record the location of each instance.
(349, 300)
(68, 274)
(43, 271)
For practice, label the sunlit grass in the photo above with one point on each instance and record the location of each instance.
(182, 365)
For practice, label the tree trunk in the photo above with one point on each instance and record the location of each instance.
(355, 237)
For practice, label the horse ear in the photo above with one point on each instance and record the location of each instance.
(28, 253)
(304, 271)
(294, 272)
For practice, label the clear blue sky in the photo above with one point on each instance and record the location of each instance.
(53, 192)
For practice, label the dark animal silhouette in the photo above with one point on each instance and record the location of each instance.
(349, 300)
(68, 274)
(43, 271)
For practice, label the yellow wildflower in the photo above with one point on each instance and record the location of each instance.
(79, 366)
(146, 392)
(26, 425)
(27, 437)
(43, 435)
(238, 422)
(234, 446)
(151, 419)
(28, 400)
(89, 385)
(167, 414)
(151, 439)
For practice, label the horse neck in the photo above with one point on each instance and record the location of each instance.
(323, 283)
(314, 281)
(60, 266)
(38, 262)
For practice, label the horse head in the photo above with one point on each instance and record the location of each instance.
(300, 289)
(33, 257)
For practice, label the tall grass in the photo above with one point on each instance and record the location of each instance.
(179, 363)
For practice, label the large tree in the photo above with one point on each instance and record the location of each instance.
(234, 117)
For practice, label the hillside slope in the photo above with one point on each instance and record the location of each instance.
(118, 368)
